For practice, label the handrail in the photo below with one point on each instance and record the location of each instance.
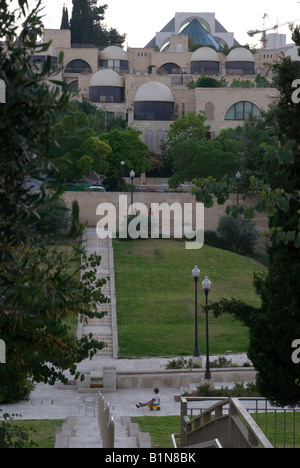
(106, 423)
(233, 426)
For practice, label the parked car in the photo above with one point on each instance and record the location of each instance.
(96, 188)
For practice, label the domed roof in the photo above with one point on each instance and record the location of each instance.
(240, 54)
(107, 78)
(293, 54)
(205, 53)
(113, 53)
(154, 91)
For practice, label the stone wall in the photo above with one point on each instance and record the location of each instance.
(88, 202)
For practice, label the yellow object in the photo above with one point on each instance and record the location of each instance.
(157, 407)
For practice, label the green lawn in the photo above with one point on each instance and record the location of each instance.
(41, 432)
(155, 297)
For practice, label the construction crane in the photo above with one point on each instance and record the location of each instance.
(263, 40)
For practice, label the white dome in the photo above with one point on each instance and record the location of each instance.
(205, 53)
(113, 53)
(240, 54)
(154, 91)
(107, 78)
(293, 54)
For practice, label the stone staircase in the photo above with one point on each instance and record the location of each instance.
(84, 432)
(104, 329)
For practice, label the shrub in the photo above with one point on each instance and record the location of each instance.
(74, 231)
(238, 235)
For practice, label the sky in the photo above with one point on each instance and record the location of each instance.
(140, 20)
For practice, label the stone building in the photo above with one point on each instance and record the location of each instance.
(148, 86)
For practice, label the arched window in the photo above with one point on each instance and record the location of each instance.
(149, 140)
(210, 111)
(241, 111)
(73, 85)
(160, 138)
(170, 68)
(78, 66)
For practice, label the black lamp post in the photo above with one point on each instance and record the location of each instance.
(206, 285)
(238, 179)
(196, 274)
(132, 175)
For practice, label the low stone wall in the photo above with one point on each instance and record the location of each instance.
(182, 378)
(89, 201)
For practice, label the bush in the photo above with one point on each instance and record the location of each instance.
(12, 436)
(13, 387)
(238, 235)
(75, 230)
(239, 390)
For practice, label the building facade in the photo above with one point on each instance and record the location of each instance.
(149, 86)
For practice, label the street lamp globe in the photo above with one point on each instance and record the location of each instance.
(196, 272)
(132, 174)
(206, 284)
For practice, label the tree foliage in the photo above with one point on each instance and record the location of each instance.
(65, 23)
(87, 25)
(192, 154)
(75, 149)
(38, 289)
(128, 147)
(276, 323)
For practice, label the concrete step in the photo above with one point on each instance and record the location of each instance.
(85, 433)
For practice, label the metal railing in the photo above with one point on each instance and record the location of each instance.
(106, 423)
(227, 420)
(277, 424)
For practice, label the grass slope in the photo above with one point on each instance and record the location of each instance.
(155, 297)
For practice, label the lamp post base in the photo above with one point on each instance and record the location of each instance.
(197, 361)
(209, 382)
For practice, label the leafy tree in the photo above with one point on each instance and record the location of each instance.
(85, 164)
(191, 154)
(189, 127)
(87, 25)
(81, 24)
(38, 289)
(128, 147)
(204, 158)
(276, 323)
(75, 149)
